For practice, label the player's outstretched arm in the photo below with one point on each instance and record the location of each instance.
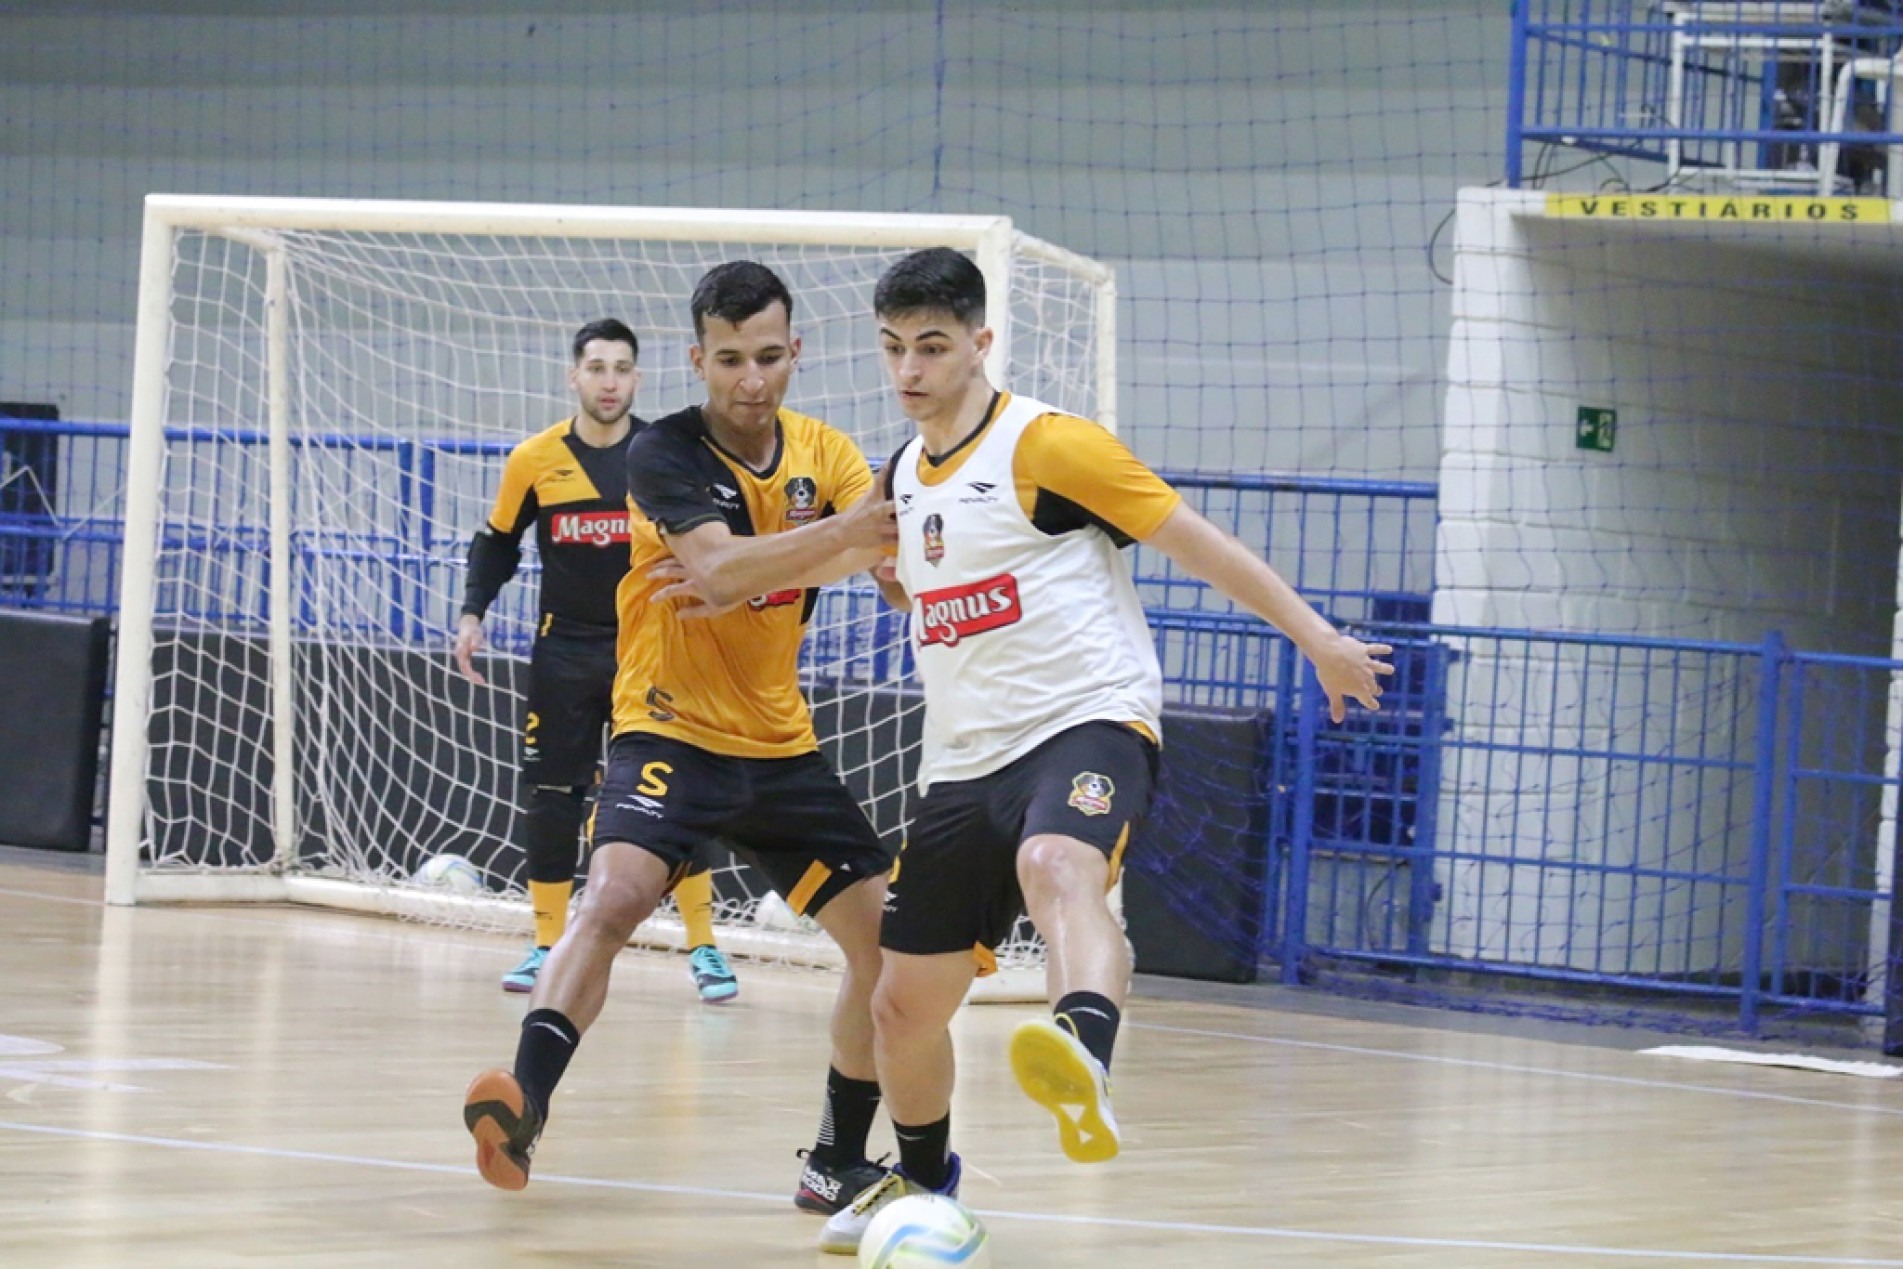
(693, 603)
(1345, 666)
(727, 569)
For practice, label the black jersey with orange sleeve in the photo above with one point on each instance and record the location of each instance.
(576, 496)
(726, 684)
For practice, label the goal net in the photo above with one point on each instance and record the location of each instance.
(324, 393)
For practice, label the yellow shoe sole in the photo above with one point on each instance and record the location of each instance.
(1056, 1077)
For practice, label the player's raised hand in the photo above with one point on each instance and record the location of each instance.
(690, 601)
(468, 641)
(870, 522)
(1347, 667)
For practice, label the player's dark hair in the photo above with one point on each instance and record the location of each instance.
(606, 328)
(935, 280)
(735, 291)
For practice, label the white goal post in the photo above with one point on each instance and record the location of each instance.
(323, 391)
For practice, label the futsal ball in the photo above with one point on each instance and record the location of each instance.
(449, 872)
(773, 914)
(922, 1230)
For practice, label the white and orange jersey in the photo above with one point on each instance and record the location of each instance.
(1025, 619)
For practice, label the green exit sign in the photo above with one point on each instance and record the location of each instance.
(1596, 428)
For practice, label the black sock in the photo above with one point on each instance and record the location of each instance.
(847, 1120)
(925, 1152)
(548, 1041)
(1093, 1020)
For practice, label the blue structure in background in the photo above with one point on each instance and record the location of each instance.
(1758, 95)
(1358, 857)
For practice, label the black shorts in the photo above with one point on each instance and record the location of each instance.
(956, 884)
(571, 700)
(789, 817)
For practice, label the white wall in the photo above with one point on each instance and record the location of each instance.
(1752, 487)
(1753, 483)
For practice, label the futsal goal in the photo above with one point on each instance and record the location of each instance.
(324, 391)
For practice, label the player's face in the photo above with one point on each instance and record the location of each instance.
(932, 359)
(747, 366)
(604, 380)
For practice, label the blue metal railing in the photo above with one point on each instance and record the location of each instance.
(1695, 821)
(1693, 86)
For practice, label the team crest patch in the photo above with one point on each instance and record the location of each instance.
(1091, 793)
(934, 538)
(802, 499)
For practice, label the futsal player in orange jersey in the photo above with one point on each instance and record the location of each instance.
(712, 735)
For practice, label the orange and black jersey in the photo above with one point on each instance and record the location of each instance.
(726, 684)
(576, 496)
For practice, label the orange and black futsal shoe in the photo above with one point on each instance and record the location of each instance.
(505, 1125)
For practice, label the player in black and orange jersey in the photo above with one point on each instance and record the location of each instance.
(571, 483)
(753, 504)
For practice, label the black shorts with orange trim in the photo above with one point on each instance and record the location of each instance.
(570, 702)
(791, 818)
(956, 885)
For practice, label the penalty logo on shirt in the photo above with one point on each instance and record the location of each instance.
(802, 500)
(934, 528)
(1091, 793)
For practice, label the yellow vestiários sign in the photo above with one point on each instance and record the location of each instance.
(1735, 208)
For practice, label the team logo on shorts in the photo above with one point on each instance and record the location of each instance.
(1091, 793)
(802, 499)
(934, 538)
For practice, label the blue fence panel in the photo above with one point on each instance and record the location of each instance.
(62, 491)
(1744, 90)
(1693, 821)
(1829, 898)
(1361, 550)
(1590, 810)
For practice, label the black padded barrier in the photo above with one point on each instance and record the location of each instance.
(1194, 880)
(1195, 876)
(53, 668)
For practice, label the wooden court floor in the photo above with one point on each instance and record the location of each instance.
(209, 1087)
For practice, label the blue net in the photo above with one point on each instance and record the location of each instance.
(1571, 466)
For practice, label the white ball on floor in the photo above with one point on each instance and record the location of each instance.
(924, 1229)
(772, 913)
(449, 872)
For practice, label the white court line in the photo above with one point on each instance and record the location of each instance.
(41, 897)
(1109, 1222)
(1516, 1069)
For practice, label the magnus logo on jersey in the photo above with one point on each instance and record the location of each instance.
(802, 500)
(1091, 793)
(589, 528)
(934, 529)
(958, 612)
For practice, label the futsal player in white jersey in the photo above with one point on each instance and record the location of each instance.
(1043, 716)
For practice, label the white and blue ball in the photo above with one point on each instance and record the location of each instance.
(449, 872)
(922, 1230)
